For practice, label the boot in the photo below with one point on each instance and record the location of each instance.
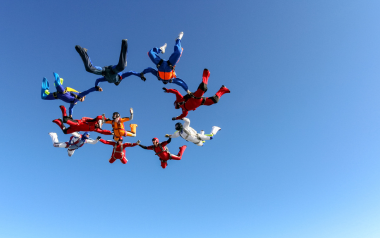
(181, 150)
(63, 109)
(162, 48)
(59, 122)
(205, 76)
(133, 128)
(180, 36)
(222, 91)
(214, 130)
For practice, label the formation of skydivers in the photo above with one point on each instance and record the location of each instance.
(114, 74)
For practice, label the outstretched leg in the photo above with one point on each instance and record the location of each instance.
(215, 99)
(202, 88)
(123, 57)
(181, 83)
(87, 61)
(131, 133)
(174, 58)
(180, 153)
(56, 143)
(153, 55)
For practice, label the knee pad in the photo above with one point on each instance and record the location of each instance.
(215, 99)
(203, 87)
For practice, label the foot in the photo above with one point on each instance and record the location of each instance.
(180, 36)
(78, 47)
(142, 77)
(126, 40)
(228, 91)
(162, 48)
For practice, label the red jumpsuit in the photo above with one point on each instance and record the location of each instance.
(163, 152)
(190, 103)
(84, 124)
(118, 150)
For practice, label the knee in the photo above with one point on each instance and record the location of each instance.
(215, 99)
(203, 87)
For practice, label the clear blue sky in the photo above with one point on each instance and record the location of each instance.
(298, 154)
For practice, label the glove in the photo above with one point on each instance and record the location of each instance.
(174, 119)
(138, 142)
(167, 135)
(98, 138)
(165, 89)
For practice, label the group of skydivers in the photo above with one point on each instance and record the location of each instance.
(113, 74)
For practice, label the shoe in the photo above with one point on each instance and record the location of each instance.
(78, 47)
(162, 48)
(228, 91)
(180, 36)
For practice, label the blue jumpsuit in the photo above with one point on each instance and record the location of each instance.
(111, 74)
(165, 67)
(69, 97)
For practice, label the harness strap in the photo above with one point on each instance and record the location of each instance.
(159, 63)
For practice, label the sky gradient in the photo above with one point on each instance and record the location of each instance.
(298, 153)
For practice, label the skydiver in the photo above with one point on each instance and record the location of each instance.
(163, 152)
(166, 68)
(189, 134)
(84, 124)
(118, 125)
(191, 101)
(119, 149)
(112, 73)
(67, 94)
(76, 141)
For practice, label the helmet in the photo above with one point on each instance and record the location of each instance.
(155, 139)
(100, 123)
(115, 115)
(120, 139)
(178, 126)
(84, 136)
(176, 105)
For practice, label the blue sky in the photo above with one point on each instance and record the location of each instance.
(297, 155)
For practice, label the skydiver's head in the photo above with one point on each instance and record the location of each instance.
(179, 126)
(176, 105)
(120, 141)
(115, 115)
(155, 141)
(85, 136)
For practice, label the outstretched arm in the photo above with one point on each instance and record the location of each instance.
(166, 142)
(84, 93)
(183, 115)
(187, 122)
(107, 142)
(104, 132)
(174, 135)
(178, 95)
(91, 141)
(146, 147)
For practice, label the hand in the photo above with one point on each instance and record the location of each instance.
(100, 89)
(167, 135)
(98, 138)
(165, 89)
(174, 118)
(138, 142)
(82, 98)
(131, 110)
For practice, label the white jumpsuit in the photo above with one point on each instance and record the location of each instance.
(189, 134)
(76, 142)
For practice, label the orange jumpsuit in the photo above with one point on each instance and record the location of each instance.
(118, 128)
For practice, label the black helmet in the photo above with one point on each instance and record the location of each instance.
(178, 126)
(115, 115)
